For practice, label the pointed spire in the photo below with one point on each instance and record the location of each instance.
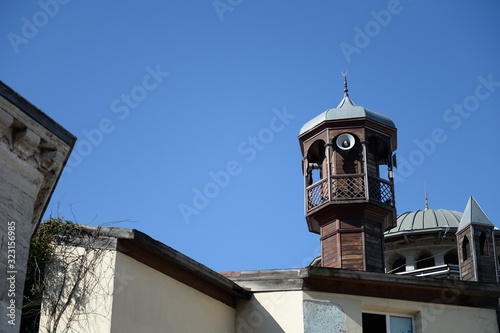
(346, 91)
(346, 101)
(473, 214)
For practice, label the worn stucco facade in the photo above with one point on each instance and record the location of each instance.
(320, 312)
(320, 300)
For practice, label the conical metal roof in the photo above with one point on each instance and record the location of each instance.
(474, 214)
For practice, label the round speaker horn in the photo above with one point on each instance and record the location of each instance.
(345, 141)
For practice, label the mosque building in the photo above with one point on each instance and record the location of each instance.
(445, 243)
(422, 271)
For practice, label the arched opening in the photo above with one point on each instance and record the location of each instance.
(399, 265)
(451, 258)
(465, 248)
(425, 260)
(379, 169)
(376, 155)
(315, 159)
(483, 244)
(379, 157)
(315, 175)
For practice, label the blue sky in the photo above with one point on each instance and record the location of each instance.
(170, 99)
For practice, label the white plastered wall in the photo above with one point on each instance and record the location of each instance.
(271, 312)
(146, 300)
(93, 313)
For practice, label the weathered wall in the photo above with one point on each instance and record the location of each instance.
(31, 160)
(18, 187)
(346, 310)
(427, 317)
(146, 300)
(305, 312)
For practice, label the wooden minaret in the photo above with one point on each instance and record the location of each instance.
(349, 188)
(476, 245)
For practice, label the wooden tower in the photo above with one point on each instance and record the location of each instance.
(349, 197)
(476, 245)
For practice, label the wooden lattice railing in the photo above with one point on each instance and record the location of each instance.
(350, 187)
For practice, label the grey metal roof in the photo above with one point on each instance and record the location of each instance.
(428, 220)
(346, 109)
(473, 214)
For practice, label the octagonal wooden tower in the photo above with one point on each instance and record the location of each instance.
(348, 160)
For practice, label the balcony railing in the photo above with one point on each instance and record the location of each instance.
(349, 187)
(450, 271)
(381, 190)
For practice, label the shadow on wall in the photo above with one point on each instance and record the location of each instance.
(251, 316)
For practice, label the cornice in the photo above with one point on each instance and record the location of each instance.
(33, 145)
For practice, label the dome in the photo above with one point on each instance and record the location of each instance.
(426, 221)
(346, 110)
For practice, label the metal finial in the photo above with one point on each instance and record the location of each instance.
(426, 198)
(345, 83)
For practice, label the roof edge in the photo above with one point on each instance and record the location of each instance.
(165, 259)
(37, 114)
(369, 284)
(173, 263)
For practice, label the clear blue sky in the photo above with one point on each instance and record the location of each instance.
(165, 96)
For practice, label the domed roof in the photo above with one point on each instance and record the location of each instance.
(346, 110)
(427, 220)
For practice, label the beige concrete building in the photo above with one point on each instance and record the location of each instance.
(146, 286)
(140, 285)
(33, 152)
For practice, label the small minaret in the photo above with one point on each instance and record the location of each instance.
(476, 245)
(349, 201)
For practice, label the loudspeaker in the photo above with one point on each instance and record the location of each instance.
(345, 141)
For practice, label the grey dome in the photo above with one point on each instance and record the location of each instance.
(426, 221)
